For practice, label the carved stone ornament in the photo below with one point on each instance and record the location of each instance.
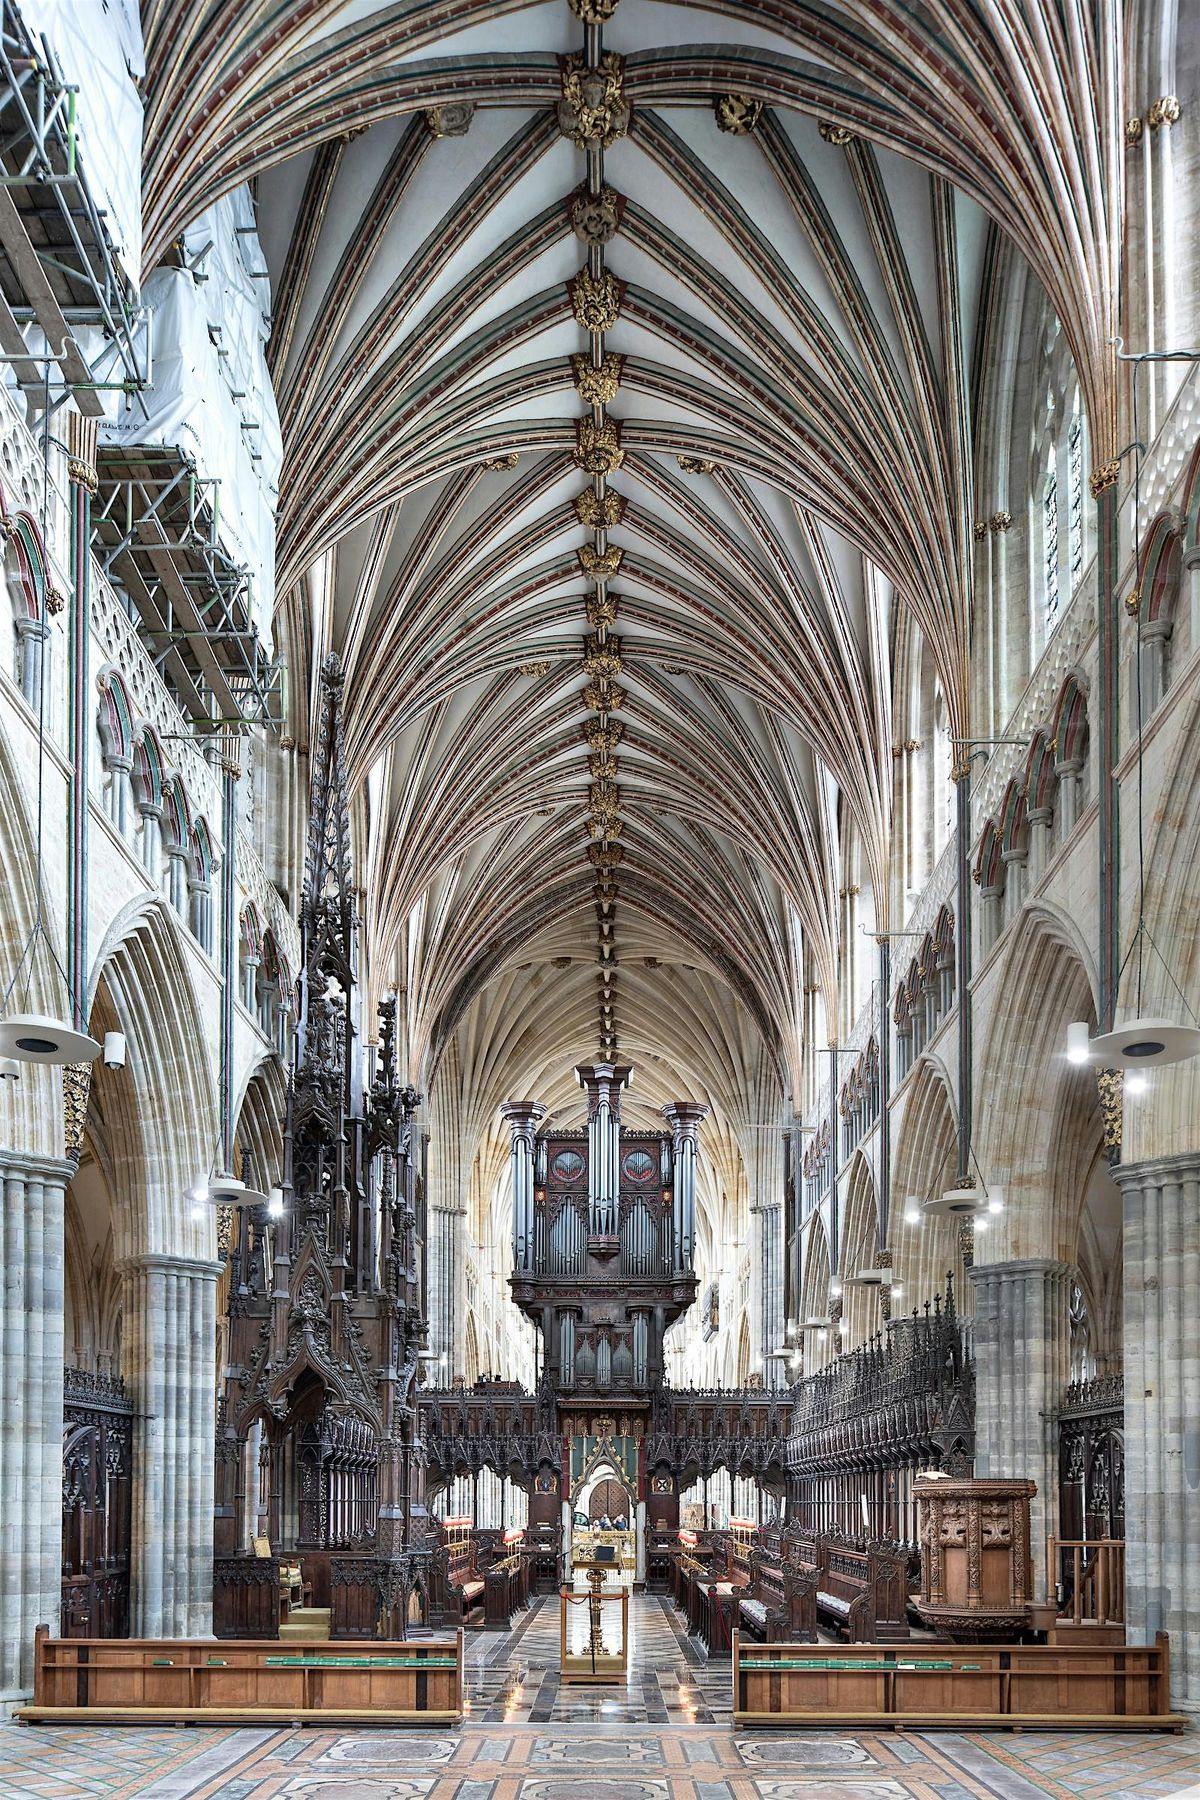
(696, 465)
(595, 218)
(533, 668)
(596, 387)
(1134, 129)
(603, 696)
(966, 1242)
(602, 608)
(1104, 477)
(599, 512)
(452, 120)
(835, 134)
(598, 446)
(603, 768)
(978, 531)
(1165, 111)
(1000, 521)
(593, 12)
(595, 300)
(496, 465)
(602, 659)
(600, 565)
(593, 108)
(83, 474)
(1111, 1086)
(603, 737)
(737, 113)
(77, 1085)
(604, 856)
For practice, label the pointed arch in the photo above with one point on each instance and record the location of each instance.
(1043, 985)
(923, 1164)
(860, 1250)
(165, 1112)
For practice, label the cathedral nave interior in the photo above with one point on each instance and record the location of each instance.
(600, 805)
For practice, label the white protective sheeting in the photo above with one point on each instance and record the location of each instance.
(97, 45)
(211, 394)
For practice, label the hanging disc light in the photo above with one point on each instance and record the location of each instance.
(1144, 1044)
(35, 1038)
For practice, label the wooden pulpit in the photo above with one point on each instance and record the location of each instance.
(976, 1569)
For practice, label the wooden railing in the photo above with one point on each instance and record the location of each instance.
(1088, 1579)
(954, 1686)
(192, 1681)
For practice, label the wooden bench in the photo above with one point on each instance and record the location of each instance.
(956, 1687)
(864, 1593)
(506, 1590)
(780, 1605)
(717, 1614)
(204, 1681)
(456, 1587)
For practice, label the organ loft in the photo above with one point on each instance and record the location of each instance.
(604, 1222)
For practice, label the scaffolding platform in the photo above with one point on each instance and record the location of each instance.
(155, 534)
(58, 268)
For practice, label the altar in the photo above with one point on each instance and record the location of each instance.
(598, 1548)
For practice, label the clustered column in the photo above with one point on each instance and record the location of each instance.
(169, 1333)
(1022, 1365)
(32, 1206)
(685, 1118)
(523, 1117)
(1162, 1409)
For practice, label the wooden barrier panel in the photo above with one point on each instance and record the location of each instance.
(105, 1681)
(1119, 1688)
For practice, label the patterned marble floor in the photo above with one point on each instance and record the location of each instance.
(665, 1736)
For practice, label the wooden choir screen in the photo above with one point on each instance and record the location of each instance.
(97, 1488)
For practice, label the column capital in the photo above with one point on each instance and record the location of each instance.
(1184, 1165)
(197, 1267)
(602, 1082)
(685, 1118)
(523, 1116)
(47, 1168)
(1019, 1268)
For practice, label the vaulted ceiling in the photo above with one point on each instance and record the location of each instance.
(624, 375)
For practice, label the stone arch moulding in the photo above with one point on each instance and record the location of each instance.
(168, 1080)
(1044, 983)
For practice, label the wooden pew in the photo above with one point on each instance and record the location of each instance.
(715, 1594)
(506, 1582)
(456, 1588)
(863, 1592)
(780, 1606)
(204, 1681)
(692, 1556)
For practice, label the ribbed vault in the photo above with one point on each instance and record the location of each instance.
(801, 205)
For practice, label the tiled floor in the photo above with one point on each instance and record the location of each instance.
(665, 1736)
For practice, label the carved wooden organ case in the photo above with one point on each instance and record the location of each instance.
(325, 1306)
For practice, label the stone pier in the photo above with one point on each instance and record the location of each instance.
(169, 1347)
(1022, 1364)
(32, 1206)
(1161, 1202)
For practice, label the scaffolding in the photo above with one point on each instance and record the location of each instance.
(58, 269)
(155, 534)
